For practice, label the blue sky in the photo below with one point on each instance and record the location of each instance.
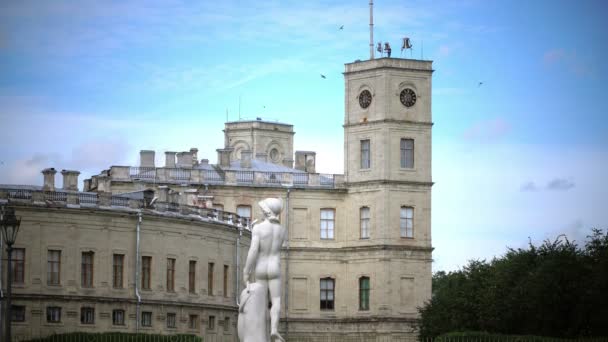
(87, 84)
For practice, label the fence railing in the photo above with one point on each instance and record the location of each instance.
(326, 179)
(300, 178)
(85, 198)
(180, 174)
(244, 176)
(142, 172)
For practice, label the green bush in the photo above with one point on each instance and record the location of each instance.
(482, 336)
(117, 337)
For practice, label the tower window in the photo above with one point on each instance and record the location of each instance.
(327, 224)
(407, 153)
(365, 154)
(364, 217)
(364, 293)
(407, 222)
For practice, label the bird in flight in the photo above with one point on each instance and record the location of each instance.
(341, 27)
(323, 76)
(479, 85)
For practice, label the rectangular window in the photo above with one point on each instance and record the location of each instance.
(17, 313)
(146, 319)
(53, 268)
(407, 153)
(225, 280)
(18, 263)
(193, 322)
(407, 222)
(170, 274)
(364, 217)
(210, 279)
(327, 223)
(364, 293)
(87, 315)
(118, 317)
(365, 155)
(192, 276)
(118, 266)
(170, 320)
(327, 293)
(87, 269)
(211, 323)
(146, 269)
(227, 324)
(53, 314)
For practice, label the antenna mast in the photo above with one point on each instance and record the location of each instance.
(371, 29)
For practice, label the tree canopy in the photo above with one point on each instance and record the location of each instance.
(557, 289)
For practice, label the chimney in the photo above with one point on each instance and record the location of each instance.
(223, 156)
(170, 159)
(184, 160)
(70, 180)
(246, 159)
(49, 179)
(305, 161)
(194, 152)
(146, 158)
(204, 162)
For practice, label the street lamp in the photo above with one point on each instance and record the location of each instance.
(10, 227)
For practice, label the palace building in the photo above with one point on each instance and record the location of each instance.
(160, 248)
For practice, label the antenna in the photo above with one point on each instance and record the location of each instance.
(371, 29)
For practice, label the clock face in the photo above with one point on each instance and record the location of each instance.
(365, 99)
(407, 97)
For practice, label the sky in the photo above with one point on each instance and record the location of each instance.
(520, 137)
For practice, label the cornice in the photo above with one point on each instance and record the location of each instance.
(389, 121)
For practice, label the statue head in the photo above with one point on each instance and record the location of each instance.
(271, 207)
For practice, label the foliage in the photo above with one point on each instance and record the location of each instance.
(480, 336)
(556, 289)
(117, 337)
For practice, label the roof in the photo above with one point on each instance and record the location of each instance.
(259, 165)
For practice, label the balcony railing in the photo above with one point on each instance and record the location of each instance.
(142, 172)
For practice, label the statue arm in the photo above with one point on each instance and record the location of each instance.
(252, 256)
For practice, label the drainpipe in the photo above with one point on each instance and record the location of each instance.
(137, 294)
(287, 264)
(238, 266)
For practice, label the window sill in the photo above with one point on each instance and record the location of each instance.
(407, 238)
(408, 169)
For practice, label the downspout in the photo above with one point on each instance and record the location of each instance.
(137, 294)
(238, 265)
(287, 264)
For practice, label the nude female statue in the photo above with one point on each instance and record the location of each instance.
(267, 238)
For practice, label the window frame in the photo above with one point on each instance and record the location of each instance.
(364, 222)
(146, 319)
(50, 311)
(87, 311)
(211, 323)
(171, 262)
(87, 269)
(15, 310)
(192, 276)
(171, 319)
(51, 265)
(118, 317)
(146, 272)
(118, 270)
(325, 223)
(406, 150)
(226, 273)
(210, 270)
(365, 156)
(406, 232)
(193, 318)
(325, 291)
(18, 266)
(364, 293)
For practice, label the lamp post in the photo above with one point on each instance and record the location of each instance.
(10, 227)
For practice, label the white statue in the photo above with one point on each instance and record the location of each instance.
(264, 261)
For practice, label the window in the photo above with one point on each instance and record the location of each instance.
(146, 268)
(170, 274)
(17, 313)
(327, 223)
(146, 319)
(87, 269)
(364, 217)
(365, 156)
(53, 269)
(327, 293)
(211, 323)
(170, 320)
(192, 276)
(244, 211)
(364, 293)
(226, 323)
(118, 317)
(225, 280)
(87, 315)
(193, 322)
(18, 263)
(407, 222)
(210, 279)
(53, 314)
(407, 153)
(118, 265)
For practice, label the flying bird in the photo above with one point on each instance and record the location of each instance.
(323, 76)
(341, 27)
(479, 85)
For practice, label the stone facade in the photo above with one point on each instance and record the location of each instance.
(358, 258)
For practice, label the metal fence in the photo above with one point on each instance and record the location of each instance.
(142, 172)
(244, 176)
(326, 179)
(114, 337)
(55, 196)
(85, 198)
(180, 174)
(300, 178)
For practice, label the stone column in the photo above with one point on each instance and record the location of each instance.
(70, 180)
